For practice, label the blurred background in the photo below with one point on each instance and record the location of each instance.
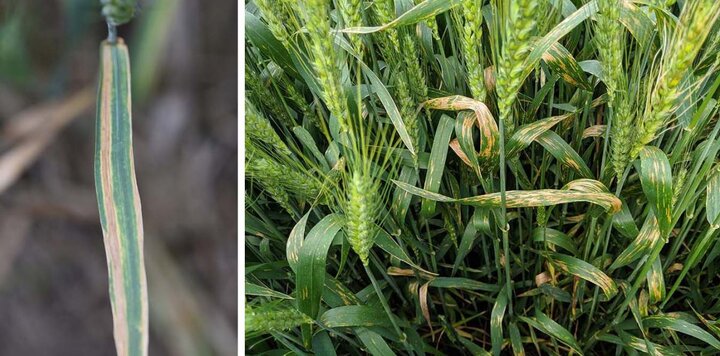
(53, 279)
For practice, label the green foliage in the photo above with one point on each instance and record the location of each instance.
(495, 177)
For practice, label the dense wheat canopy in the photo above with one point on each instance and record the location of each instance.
(482, 177)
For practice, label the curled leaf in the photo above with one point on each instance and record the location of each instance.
(581, 190)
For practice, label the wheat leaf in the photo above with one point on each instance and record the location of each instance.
(119, 202)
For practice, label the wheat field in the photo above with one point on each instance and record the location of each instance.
(482, 177)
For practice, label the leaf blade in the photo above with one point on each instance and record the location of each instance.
(119, 202)
(310, 275)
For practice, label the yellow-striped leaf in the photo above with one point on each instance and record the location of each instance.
(484, 121)
(580, 190)
(560, 30)
(656, 282)
(525, 135)
(119, 202)
(656, 181)
(562, 151)
(560, 61)
(295, 241)
(712, 201)
(647, 238)
(584, 270)
(550, 327)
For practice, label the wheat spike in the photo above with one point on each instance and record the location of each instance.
(516, 46)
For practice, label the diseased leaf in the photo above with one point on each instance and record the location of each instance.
(525, 135)
(584, 270)
(564, 153)
(422, 298)
(648, 236)
(310, 273)
(581, 190)
(420, 12)
(562, 62)
(554, 237)
(712, 200)
(656, 179)
(637, 343)
(484, 121)
(462, 283)
(262, 291)
(637, 22)
(464, 144)
(594, 131)
(671, 322)
(515, 340)
(656, 282)
(119, 202)
(552, 328)
(354, 315)
(295, 242)
(375, 344)
(563, 28)
(342, 294)
(496, 321)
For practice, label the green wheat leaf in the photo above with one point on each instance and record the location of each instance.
(437, 161)
(672, 322)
